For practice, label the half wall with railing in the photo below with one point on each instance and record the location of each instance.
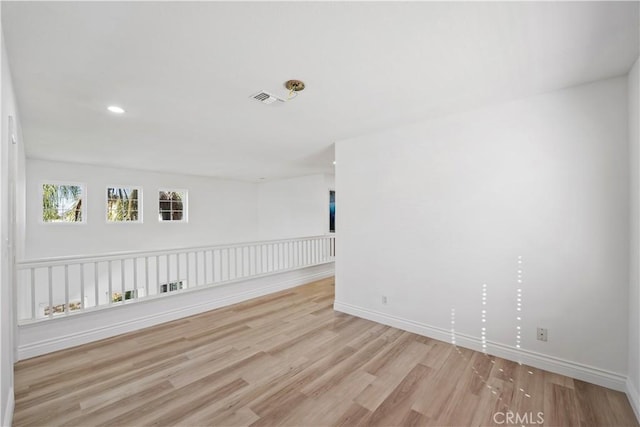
(66, 286)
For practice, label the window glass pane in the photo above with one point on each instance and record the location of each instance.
(122, 204)
(62, 203)
(172, 286)
(172, 205)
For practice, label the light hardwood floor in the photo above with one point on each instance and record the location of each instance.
(289, 359)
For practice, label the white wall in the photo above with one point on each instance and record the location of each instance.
(220, 211)
(294, 207)
(330, 182)
(11, 170)
(634, 279)
(430, 212)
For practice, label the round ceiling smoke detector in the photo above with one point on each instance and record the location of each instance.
(294, 85)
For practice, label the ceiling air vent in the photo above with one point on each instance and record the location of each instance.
(266, 98)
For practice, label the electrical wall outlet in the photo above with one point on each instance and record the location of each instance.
(542, 334)
(384, 299)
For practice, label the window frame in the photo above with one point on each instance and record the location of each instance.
(59, 183)
(185, 206)
(180, 286)
(140, 204)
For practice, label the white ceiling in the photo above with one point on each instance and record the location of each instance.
(185, 73)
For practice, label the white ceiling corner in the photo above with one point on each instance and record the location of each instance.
(185, 73)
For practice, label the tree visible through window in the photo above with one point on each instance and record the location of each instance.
(62, 203)
(123, 204)
(172, 205)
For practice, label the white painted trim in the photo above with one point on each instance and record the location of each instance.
(74, 259)
(634, 398)
(541, 361)
(60, 342)
(8, 409)
(156, 297)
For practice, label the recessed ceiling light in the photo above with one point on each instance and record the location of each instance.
(115, 109)
(334, 162)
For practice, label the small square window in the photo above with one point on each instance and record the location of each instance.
(63, 203)
(171, 287)
(117, 296)
(124, 204)
(172, 205)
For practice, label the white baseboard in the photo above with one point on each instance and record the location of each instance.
(541, 361)
(46, 337)
(8, 409)
(634, 398)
